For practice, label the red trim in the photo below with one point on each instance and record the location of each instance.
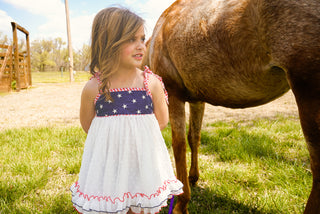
(126, 89)
(116, 115)
(142, 209)
(76, 210)
(96, 99)
(125, 195)
(97, 76)
(119, 90)
(147, 73)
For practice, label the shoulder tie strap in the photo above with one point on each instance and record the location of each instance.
(97, 76)
(147, 73)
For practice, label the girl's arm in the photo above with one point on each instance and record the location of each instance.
(87, 111)
(160, 106)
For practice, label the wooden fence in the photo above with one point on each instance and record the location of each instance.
(15, 67)
(6, 67)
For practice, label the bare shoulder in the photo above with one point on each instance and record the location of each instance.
(91, 88)
(140, 75)
(154, 83)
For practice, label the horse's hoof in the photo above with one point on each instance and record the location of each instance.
(193, 180)
(178, 210)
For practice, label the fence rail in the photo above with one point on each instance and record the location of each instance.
(14, 65)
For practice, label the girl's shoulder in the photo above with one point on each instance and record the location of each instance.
(91, 88)
(153, 81)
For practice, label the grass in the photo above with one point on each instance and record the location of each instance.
(37, 166)
(57, 77)
(261, 167)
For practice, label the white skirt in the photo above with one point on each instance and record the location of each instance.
(125, 164)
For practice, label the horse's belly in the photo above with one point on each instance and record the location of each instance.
(236, 89)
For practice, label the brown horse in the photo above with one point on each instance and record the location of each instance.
(237, 54)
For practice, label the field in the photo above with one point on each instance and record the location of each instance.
(251, 160)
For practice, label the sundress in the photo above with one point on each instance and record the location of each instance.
(125, 163)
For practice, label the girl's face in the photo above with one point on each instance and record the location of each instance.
(132, 51)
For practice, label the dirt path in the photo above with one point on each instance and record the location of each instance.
(41, 105)
(58, 104)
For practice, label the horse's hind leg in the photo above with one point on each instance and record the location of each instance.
(306, 88)
(194, 134)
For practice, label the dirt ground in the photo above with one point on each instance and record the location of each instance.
(58, 104)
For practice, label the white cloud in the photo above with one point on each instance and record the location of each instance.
(81, 30)
(53, 28)
(54, 19)
(152, 10)
(47, 8)
(5, 26)
(53, 12)
(130, 2)
(157, 7)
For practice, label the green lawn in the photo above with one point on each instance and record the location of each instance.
(261, 167)
(58, 77)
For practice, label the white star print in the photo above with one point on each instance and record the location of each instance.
(101, 106)
(143, 97)
(119, 95)
(129, 92)
(109, 101)
(124, 106)
(114, 111)
(134, 101)
(147, 107)
(138, 112)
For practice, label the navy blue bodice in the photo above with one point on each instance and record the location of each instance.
(124, 102)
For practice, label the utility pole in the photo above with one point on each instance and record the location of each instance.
(69, 42)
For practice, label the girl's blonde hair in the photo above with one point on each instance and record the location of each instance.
(111, 28)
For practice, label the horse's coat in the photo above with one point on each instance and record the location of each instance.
(237, 54)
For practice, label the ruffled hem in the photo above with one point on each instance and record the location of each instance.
(136, 202)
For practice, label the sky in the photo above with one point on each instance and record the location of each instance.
(46, 19)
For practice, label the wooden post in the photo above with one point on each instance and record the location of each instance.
(69, 42)
(29, 60)
(16, 56)
(16, 66)
(6, 57)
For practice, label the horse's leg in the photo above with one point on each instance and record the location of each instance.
(306, 88)
(194, 134)
(177, 121)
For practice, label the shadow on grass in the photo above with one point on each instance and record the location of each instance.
(11, 196)
(232, 143)
(18, 192)
(205, 201)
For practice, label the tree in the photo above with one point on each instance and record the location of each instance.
(52, 54)
(58, 56)
(83, 57)
(4, 39)
(41, 54)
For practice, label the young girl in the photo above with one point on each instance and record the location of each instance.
(125, 165)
